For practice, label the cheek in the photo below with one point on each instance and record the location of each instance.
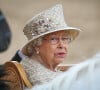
(48, 51)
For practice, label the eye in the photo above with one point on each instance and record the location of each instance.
(53, 38)
(67, 39)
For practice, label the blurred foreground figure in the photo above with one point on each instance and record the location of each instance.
(3, 85)
(85, 76)
(5, 33)
(5, 38)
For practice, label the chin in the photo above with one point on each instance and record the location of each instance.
(58, 61)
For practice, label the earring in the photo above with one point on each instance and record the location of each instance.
(37, 52)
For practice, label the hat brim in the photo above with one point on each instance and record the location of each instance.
(74, 32)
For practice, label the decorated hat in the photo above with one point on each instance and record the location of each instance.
(48, 21)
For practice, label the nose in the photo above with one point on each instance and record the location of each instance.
(61, 44)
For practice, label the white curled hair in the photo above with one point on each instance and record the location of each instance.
(31, 46)
(84, 76)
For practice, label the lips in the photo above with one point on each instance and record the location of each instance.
(61, 54)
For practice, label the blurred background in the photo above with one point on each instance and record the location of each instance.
(83, 14)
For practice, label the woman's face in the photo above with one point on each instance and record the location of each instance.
(54, 48)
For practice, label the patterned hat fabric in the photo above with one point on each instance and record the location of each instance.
(48, 21)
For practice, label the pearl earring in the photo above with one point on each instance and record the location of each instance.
(37, 52)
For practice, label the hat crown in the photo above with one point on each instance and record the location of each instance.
(47, 21)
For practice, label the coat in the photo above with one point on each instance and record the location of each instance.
(37, 73)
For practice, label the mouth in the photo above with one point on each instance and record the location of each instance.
(61, 55)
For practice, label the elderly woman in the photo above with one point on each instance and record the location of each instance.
(49, 37)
